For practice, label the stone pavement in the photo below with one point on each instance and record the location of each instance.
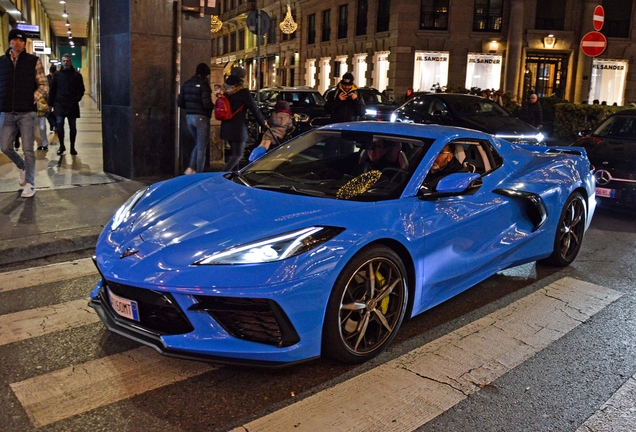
(75, 198)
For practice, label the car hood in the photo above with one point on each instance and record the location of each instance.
(508, 126)
(225, 214)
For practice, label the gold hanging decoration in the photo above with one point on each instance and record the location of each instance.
(215, 23)
(288, 26)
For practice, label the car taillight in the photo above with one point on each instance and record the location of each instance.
(596, 140)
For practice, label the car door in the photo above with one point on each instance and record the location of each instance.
(465, 235)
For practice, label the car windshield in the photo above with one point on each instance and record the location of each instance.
(348, 165)
(295, 98)
(374, 97)
(475, 106)
(618, 127)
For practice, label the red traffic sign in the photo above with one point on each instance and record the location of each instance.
(593, 44)
(599, 17)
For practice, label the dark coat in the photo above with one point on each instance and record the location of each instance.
(196, 97)
(236, 128)
(66, 92)
(534, 114)
(345, 110)
(16, 95)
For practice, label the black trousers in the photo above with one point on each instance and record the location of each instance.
(72, 129)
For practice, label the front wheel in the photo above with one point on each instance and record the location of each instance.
(570, 231)
(366, 306)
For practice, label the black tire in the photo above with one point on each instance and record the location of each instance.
(364, 313)
(570, 231)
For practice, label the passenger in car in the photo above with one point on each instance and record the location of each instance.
(445, 163)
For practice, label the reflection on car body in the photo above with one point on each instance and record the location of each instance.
(309, 251)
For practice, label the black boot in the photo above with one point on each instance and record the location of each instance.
(73, 152)
(61, 150)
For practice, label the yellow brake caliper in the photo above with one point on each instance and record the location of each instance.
(380, 282)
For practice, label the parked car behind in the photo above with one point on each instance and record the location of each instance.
(611, 148)
(468, 111)
(377, 106)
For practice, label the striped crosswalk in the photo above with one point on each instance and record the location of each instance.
(411, 389)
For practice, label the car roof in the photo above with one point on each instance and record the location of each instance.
(411, 130)
(284, 88)
(627, 112)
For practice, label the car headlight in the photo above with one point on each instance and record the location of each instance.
(273, 248)
(393, 117)
(371, 112)
(539, 137)
(124, 210)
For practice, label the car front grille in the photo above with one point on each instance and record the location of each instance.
(252, 319)
(159, 313)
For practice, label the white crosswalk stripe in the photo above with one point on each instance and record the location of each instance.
(411, 389)
(45, 274)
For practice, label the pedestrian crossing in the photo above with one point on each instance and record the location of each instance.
(412, 389)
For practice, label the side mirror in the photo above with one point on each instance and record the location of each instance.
(456, 183)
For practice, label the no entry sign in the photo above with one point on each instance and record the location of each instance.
(599, 18)
(593, 44)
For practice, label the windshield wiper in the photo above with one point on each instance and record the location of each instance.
(238, 175)
(292, 189)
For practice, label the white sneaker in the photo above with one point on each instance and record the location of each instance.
(28, 191)
(22, 178)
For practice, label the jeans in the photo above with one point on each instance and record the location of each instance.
(238, 147)
(42, 124)
(10, 123)
(60, 130)
(199, 127)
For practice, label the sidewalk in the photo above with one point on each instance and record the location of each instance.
(75, 198)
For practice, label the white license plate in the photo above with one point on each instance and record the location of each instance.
(605, 192)
(124, 307)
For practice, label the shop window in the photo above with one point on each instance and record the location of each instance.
(311, 29)
(434, 15)
(325, 74)
(483, 71)
(343, 16)
(550, 15)
(381, 70)
(617, 18)
(326, 25)
(361, 18)
(488, 15)
(431, 70)
(608, 81)
(384, 15)
(310, 77)
(360, 69)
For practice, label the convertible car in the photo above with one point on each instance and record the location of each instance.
(326, 244)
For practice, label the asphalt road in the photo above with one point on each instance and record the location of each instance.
(63, 374)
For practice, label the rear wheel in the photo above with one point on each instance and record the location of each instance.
(366, 307)
(570, 231)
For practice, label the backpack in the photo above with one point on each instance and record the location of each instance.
(223, 109)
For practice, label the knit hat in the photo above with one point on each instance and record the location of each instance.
(203, 69)
(17, 34)
(347, 79)
(239, 72)
(282, 105)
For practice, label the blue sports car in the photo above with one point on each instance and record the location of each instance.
(325, 244)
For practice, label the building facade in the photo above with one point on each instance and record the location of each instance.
(521, 47)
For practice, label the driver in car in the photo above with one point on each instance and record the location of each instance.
(377, 156)
(445, 163)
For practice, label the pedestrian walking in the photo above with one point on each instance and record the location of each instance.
(345, 105)
(67, 90)
(51, 116)
(195, 98)
(42, 112)
(22, 83)
(235, 130)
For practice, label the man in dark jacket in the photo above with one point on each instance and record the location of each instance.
(235, 130)
(534, 112)
(345, 105)
(66, 93)
(22, 84)
(51, 116)
(196, 98)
